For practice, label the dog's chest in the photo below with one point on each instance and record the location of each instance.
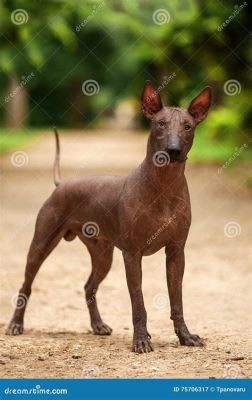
(155, 225)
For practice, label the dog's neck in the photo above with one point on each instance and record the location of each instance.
(166, 179)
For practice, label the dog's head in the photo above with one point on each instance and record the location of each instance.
(172, 128)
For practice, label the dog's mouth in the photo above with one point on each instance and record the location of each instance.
(175, 155)
(174, 160)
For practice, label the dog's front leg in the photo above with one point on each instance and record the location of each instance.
(141, 338)
(175, 264)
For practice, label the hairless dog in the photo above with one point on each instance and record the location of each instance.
(141, 213)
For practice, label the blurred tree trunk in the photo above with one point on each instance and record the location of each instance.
(17, 106)
(76, 112)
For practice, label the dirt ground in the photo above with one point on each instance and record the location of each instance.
(217, 283)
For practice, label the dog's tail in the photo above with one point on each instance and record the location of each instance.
(56, 167)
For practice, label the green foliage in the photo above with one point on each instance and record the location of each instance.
(213, 150)
(11, 141)
(222, 123)
(118, 44)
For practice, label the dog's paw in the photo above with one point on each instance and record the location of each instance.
(100, 328)
(191, 340)
(15, 328)
(142, 345)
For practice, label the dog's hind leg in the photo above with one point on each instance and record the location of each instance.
(48, 233)
(101, 253)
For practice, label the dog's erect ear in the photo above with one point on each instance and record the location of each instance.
(151, 101)
(199, 106)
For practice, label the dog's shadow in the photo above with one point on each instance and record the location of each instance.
(120, 340)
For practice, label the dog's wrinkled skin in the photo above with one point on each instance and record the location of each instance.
(141, 213)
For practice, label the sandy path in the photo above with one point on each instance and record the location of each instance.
(58, 342)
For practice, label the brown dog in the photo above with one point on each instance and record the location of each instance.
(141, 213)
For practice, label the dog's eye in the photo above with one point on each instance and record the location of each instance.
(161, 124)
(188, 127)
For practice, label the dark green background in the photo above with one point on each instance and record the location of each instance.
(120, 47)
